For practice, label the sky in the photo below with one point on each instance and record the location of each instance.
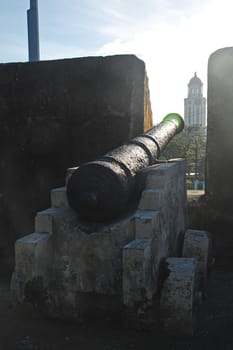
(173, 37)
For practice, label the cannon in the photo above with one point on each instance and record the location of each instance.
(100, 190)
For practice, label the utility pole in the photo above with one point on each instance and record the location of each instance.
(33, 31)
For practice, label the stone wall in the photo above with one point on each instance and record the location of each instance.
(57, 114)
(213, 212)
(219, 174)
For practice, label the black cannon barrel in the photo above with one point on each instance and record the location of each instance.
(100, 190)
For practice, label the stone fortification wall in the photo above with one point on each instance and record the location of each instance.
(58, 114)
(213, 212)
(219, 175)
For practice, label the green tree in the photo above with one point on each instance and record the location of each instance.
(191, 146)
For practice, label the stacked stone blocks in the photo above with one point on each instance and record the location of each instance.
(159, 227)
(78, 269)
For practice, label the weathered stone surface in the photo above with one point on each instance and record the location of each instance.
(92, 264)
(159, 231)
(151, 199)
(59, 198)
(82, 269)
(137, 272)
(178, 296)
(29, 252)
(171, 201)
(197, 245)
(95, 259)
(147, 224)
(58, 114)
(219, 175)
(33, 257)
(44, 220)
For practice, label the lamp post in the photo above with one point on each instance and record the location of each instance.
(33, 31)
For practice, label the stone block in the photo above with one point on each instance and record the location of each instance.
(32, 255)
(151, 178)
(197, 244)
(168, 169)
(44, 220)
(147, 224)
(93, 257)
(180, 163)
(163, 175)
(177, 303)
(137, 276)
(59, 198)
(151, 200)
(156, 181)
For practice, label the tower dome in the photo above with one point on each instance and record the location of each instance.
(195, 81)
(195, 87)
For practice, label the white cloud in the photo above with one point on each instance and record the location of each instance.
(174, 49)
(173, 37)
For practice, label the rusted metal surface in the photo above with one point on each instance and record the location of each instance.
(101, 190)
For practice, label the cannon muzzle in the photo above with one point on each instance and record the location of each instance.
(101, 190)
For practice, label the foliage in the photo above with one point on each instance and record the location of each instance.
(189, 183)
(190, 145)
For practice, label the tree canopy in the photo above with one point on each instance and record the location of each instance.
(191, 146)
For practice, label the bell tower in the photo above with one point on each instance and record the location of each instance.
(195, 104)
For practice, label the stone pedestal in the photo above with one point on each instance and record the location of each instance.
(73, 269)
